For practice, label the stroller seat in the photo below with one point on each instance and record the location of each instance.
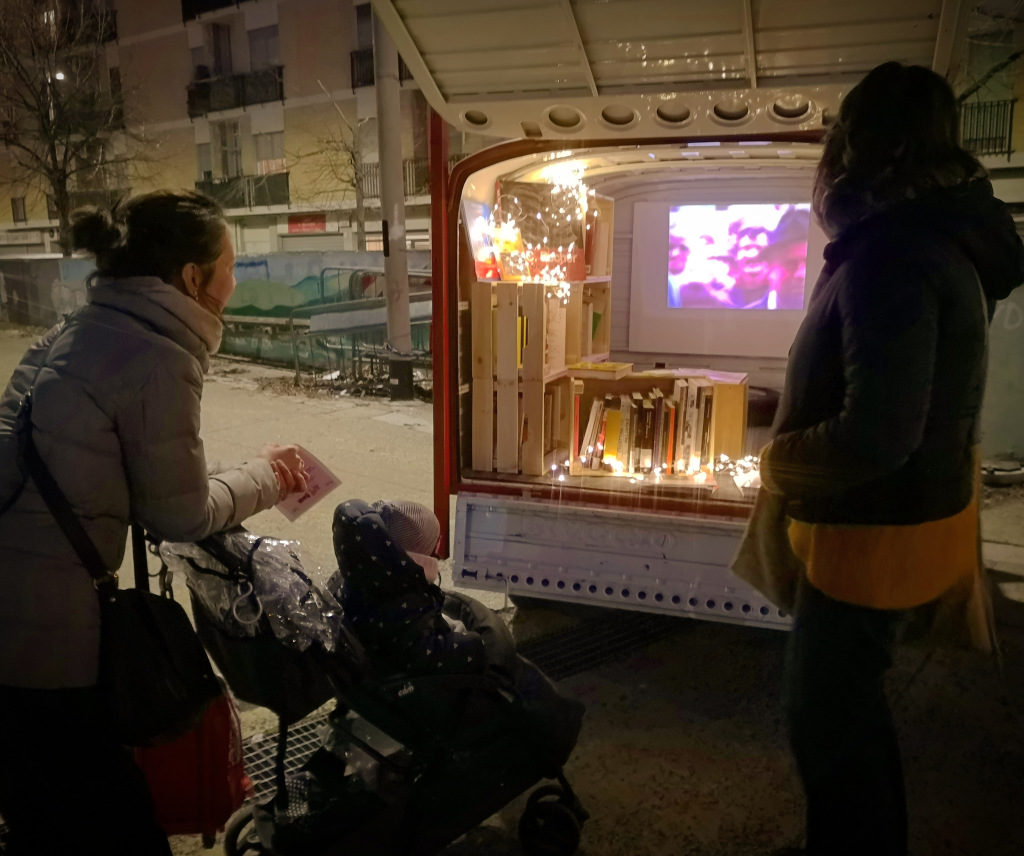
(467, 741)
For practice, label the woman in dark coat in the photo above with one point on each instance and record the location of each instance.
(874, 447)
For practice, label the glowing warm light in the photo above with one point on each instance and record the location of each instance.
(744, 472)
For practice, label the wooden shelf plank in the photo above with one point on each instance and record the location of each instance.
(507, 374)
(533, 379)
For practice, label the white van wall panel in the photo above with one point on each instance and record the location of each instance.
(918, 30)
(491, 67)
(533, 56)
(795, 61)
(505, 30)
(496, 80)
(607, 557)
(643, 20)
(837, 15)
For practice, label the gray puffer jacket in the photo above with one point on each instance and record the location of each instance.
(116, 419)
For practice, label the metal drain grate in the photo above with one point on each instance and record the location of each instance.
(597, 641)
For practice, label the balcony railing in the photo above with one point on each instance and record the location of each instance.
(986, 127)
(194, 8)
(247, 191)
(235, 90)
(361, 62)
(415, 178)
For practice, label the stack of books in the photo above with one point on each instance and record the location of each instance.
(680, 433)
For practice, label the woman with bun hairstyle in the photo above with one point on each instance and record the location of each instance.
(115, 418)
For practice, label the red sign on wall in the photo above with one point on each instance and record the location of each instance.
(298, 223)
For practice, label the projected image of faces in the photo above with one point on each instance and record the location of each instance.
(737, 256)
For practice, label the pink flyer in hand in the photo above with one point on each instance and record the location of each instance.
(321, 482)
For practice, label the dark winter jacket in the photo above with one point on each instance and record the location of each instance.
(879, 416)
(389, 604)
(116, 420)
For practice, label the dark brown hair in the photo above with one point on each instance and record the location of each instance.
(154, 234)
(896, 137)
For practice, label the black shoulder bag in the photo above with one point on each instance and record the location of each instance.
(154, 674)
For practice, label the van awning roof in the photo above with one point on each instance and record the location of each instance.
(643, 68)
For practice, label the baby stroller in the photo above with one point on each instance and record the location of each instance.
(407, 763)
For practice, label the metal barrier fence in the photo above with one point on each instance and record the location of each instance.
(986, 127)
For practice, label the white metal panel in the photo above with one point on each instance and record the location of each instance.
(554, 68)
(623, 559)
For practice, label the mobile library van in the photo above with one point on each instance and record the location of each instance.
(618, 279)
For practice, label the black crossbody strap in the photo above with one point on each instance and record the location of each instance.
(30, 460)
(139, 557)
(55, 500)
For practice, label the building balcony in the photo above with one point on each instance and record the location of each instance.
(986, 127)
(194, 8)
(361, 62)
(247, 191)
(235, 90)
(415, 178)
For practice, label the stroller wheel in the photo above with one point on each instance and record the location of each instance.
(548, 826)
(240, 834)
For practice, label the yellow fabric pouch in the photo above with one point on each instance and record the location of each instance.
(932, 567)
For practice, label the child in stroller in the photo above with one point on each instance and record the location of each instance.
(387, 584)
(454, 722)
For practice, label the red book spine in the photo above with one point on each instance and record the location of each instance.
(671, 444)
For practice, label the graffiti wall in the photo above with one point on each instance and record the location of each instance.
(268, 315)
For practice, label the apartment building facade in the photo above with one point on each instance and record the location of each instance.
(269, 106)
(266, 105)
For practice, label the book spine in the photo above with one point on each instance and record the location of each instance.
(658, 430)
(625, 426)
(670, 436)
(590, 437)
(647, 441)
(707, 453)
(597, 457)
(689, 458)
(635, 433)
(577, 394)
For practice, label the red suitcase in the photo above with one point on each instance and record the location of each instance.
(198, 780)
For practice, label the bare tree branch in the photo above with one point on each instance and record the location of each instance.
(336, 163)
(62, 125)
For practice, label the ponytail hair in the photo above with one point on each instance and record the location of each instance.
(154, 234)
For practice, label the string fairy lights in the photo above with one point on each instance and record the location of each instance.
(541, 239)
(744, 471)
